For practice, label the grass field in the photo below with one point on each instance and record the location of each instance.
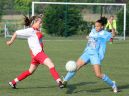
(15, 59)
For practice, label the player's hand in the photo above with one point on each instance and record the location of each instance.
(9, 43)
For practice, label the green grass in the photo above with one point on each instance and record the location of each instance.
(15, 59)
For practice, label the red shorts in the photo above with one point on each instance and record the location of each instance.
(39, 58)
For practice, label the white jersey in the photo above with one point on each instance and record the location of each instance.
(33, 40)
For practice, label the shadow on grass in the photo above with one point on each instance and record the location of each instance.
(123, 86)
(37, 87)
(93, 90)
(71, 88)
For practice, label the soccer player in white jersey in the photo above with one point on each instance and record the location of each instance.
(34, 38)
(94, 54)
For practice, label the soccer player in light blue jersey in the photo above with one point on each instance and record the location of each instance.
(94, 54)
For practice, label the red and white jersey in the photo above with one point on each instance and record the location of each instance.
(34, 38)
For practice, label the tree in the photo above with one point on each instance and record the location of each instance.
(23, 5)
(61, 20)
(1, 10)
(120, 22)
(3, 6)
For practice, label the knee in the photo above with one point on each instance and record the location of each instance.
(31, 72)
(49, 63)
(51, 66)
(80, 64)
(98, 76)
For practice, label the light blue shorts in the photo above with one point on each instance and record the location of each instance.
(90, 58)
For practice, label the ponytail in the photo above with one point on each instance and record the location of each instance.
(28, 21)
(102, 20)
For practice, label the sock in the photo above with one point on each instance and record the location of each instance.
(111, 39)
(69, 75)
(107, 80)
(21, 77)
(55, 74)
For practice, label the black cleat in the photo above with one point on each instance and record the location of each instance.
(12, 85)
(60, 84)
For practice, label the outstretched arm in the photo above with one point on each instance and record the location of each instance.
(12, 39)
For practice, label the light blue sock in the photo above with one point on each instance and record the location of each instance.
(107, 80)
(69, 75)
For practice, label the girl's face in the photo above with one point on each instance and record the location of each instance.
(37, 24)
(39, 20)
(111, 19)
(98, 26)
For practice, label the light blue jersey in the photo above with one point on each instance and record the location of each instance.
(96, 46)
(94, 53)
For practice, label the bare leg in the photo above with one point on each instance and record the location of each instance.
(105, 78)
(70, 75)
(97, 70)
(80, 63)
(48, 62)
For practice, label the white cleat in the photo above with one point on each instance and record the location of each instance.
(114, 87)
(12, 85)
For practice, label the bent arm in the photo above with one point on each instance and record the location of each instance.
(12, 39)
(114, 24)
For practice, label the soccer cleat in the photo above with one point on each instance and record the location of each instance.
(65, 84)
(60, 84)
(12, 85)
(114, 87)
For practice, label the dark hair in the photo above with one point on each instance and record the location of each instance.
(102, 20)
(28, 21)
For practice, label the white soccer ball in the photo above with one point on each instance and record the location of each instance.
(71, 65)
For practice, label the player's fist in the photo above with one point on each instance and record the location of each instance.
(8, 43)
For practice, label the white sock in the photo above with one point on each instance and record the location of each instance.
(16, 80)
(58, 80)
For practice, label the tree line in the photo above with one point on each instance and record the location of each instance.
(67, 20)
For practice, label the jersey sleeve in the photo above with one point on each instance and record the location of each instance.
(25, 32)
(90, 34)
(105, 35)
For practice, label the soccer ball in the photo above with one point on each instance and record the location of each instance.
(71, 65)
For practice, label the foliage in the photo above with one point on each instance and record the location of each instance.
(120, 22)
(3, 6)
(23, 5)
(1, 10)
(66, 20)
(63, 27)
